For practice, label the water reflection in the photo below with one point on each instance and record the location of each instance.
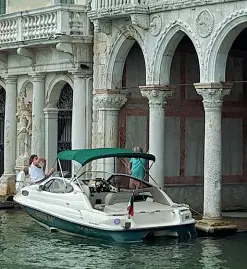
(212, 255)
(24, 244)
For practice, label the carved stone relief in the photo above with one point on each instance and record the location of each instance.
(213, 94)
(157, 96)
(205, 23)
(155, 25)
(24, 119)
(111, 101)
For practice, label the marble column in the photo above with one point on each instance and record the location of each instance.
(79, 121)
(51, 119)
(107, 104)
(212, 94)
(7, 186)
(38, 123)
(157, 96)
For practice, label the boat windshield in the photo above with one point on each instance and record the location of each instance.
(120, 182)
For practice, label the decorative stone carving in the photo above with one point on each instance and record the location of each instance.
(213, 93)
(28, 54)
(155, 25)
(156, 95)
(109, 100)
(24, 117)
(205, 23)
(113, 10)
(140, 20)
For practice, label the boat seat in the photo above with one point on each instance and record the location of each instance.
(120, 197)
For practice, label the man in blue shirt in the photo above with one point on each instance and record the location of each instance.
(137, 168)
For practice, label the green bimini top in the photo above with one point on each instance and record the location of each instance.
(84, 156)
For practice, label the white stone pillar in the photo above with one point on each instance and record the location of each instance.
(38, 123)
(157, 96)
(10, 135)
(51, 119)
(79, 112)
(107, 104)
(79, 121)
(212, 94)
(89, 112)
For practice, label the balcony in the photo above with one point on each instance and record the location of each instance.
(117, 8)
(110, 9)
(43, 24)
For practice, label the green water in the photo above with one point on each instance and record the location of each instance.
(26, 245)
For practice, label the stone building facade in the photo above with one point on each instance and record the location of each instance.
(169, 76)
(46, 65)
(176, 73)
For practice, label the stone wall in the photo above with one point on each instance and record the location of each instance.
(233, 195)
(21, 5)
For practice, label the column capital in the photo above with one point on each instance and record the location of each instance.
(10, 79)
(51, 110)
(38, 77)
(109, 99)
(156, 95)
(213, 93)
(81, 73)
(51, 113)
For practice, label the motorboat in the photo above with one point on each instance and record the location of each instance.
(106, 206)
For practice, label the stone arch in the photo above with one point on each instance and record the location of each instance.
(124, 41)
(55, 87)
(26, 90)
(220, 45)
(165, 48)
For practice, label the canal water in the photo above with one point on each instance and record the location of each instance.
(26, 245)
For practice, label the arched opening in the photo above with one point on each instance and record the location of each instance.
(134, 114)
(65, 106)
(2, 117)
(184, 136)
(234, 132)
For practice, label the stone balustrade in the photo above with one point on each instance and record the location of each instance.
(43, 23)
(96, 4)
(120, 8)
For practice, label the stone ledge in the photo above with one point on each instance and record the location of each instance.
(215, 228)
(7, 205)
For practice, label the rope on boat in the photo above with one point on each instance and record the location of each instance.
(198, 213)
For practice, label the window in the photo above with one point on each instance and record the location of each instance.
(2, 6)
(67, 1)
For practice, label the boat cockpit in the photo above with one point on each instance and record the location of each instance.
(107, 194)
(117, 189)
